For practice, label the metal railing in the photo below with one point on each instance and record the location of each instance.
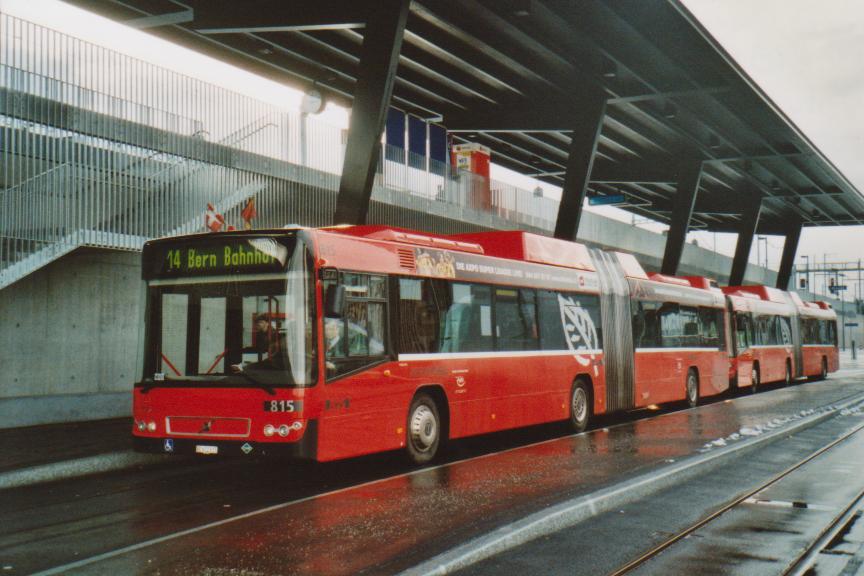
(101, 149)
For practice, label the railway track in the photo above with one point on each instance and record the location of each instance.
(840, 519)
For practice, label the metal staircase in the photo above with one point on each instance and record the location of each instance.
(146, 195)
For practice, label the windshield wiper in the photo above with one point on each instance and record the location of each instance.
(261, 384)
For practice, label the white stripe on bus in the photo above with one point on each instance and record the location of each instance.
(682, 349)
(491, 354)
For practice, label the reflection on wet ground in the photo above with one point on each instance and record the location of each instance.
(388, 525)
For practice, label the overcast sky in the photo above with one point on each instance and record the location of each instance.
(806, 55)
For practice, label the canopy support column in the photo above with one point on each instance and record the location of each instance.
(790, 247)
(379, 56)
(749, 222)
(689, 174)
(583, 145)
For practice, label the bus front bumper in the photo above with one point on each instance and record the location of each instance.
(306, 448)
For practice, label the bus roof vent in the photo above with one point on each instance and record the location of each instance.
(406, 237)
(668, 279)
(406, 259)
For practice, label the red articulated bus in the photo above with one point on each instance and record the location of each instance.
(818, 329)
(337, 342)
(778, 337)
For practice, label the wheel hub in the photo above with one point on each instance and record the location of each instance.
(424, 428)
(580, 405)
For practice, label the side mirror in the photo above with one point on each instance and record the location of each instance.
(334, 300)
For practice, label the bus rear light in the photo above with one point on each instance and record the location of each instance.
(269, 430)
(284, 430)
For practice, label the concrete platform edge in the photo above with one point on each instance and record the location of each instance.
(572, 512)
(77, 467)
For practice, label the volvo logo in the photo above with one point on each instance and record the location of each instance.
(206, 427)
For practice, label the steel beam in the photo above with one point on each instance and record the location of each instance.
(258, 16)
(583, 145)
(790, 247)
(689, 174)
(169, 19)
(749, 222)
(379, 56)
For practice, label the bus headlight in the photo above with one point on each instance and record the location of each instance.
(142, 426)
(284, 430)
(269, 430)
(151, 426)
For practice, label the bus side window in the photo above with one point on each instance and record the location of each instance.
(646, 329)
(671, 329)
(420, 302)
(742, 332)
(467, 325)
(515, 322)
(710, 330)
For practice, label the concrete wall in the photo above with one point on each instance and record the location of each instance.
(69, 339)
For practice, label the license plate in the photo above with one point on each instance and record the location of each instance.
(201, 449)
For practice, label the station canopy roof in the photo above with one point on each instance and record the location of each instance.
(513, 75)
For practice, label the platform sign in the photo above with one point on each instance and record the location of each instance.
(851, 324)
(605, 200)
(837, 288)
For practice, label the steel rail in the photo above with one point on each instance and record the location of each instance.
(807, 559)
(713, 516)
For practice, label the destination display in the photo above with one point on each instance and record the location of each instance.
(216, 256)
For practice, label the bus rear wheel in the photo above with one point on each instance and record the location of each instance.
(823, 373)
(692, 388)
(424, 429)
(580, 406)
(754, 379)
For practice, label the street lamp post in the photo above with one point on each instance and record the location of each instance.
(837, 276)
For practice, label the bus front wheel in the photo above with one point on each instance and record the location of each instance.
(424, 429)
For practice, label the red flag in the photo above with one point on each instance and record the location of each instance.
(212, 219)
(248, 213)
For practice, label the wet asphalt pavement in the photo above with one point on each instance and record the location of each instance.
(370, 515)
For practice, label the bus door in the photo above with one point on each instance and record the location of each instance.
(742, 340)
(358, 407)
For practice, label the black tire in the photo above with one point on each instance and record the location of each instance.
(823, 374)
(423, 431)
(754, 378)
(787, 381)
(580, 406)
(691, 388)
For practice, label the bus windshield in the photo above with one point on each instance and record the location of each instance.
(238, 330)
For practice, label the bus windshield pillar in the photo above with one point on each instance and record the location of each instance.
(790, 247)
(689, 174)
(379, 56)
(583, 145)
(749, 222)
